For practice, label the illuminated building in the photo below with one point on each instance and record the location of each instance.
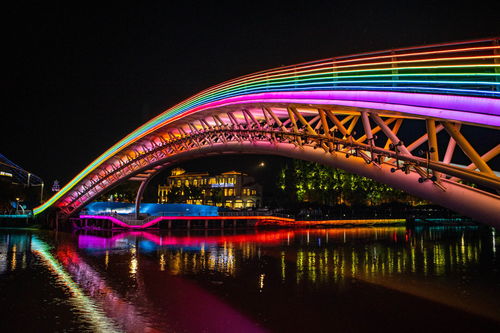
(231, 189)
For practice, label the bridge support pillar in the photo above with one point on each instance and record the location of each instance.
(138, 197)
(188, 224)
(206, 224)
(222, 224)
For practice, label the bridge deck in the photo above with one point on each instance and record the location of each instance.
(217, 222)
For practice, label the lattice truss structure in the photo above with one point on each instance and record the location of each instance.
(375, 142)
(424, 120)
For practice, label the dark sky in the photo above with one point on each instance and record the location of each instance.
(76, 78)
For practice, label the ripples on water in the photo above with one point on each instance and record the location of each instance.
(298, 280)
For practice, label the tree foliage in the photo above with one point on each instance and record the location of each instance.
(175, 195)
(311, 182)
(180, 194)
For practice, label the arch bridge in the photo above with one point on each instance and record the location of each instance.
(424, 120)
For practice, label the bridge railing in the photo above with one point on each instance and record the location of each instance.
(455, 68)
(20, 214)
(146, 218)
(255, 213)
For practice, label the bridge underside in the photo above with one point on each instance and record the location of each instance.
(321, 135)
(454, 196)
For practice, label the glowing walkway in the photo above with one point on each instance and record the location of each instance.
(255, 220)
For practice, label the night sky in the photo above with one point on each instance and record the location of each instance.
(76, 78)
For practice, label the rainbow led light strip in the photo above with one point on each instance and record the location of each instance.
(456, 81)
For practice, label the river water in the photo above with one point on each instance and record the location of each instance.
(287, 280)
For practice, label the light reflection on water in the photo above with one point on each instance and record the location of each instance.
(142, 281)
(320, 255)
(85, 306)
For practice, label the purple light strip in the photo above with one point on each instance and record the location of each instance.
(459, 108)
(118, 222)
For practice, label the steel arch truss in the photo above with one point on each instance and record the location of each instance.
(368, 113)
(380, 140)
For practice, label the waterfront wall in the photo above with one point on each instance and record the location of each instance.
(153, 209)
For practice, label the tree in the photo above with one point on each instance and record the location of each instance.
(192, 192)
(312, 182)
(175, 195)
(217, 195)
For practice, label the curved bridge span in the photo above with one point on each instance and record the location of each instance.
(406, 117)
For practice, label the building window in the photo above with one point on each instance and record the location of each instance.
(228, 185)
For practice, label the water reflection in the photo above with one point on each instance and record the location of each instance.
(83, 305)
(320, 255)
(140, 281)
(323, 258)
(14, 251)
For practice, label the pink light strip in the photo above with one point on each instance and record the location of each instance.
(112, 219)
(261, 237)
(160, 218)
(459, 108)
